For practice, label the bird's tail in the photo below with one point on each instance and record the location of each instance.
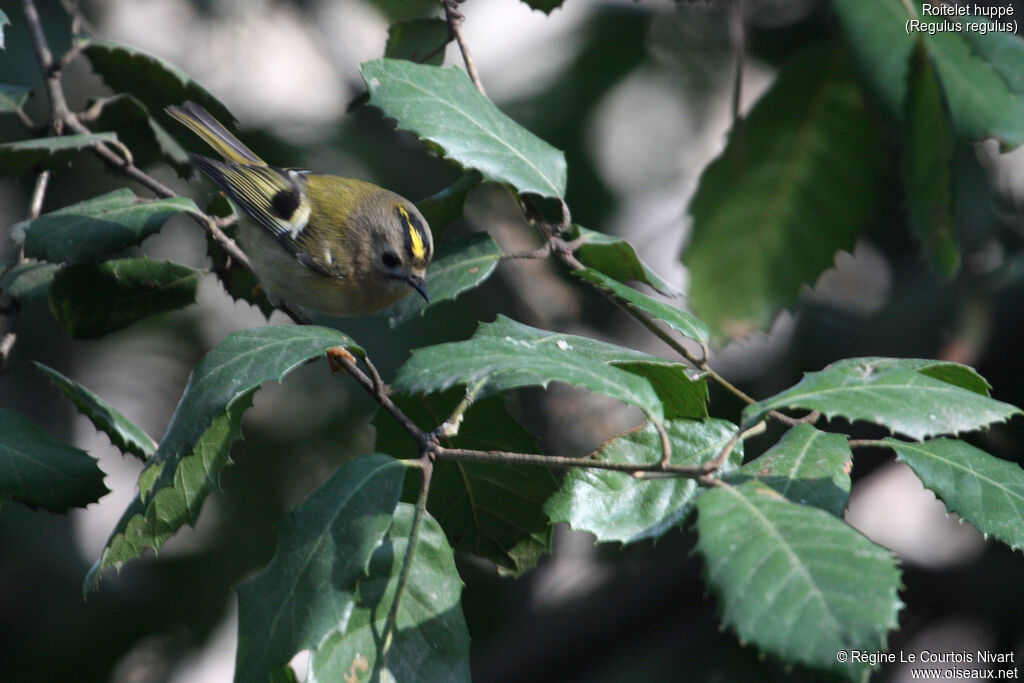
(202, 123)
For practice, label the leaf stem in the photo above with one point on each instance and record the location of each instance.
(391, 625)
(563, 463)
(666, 443)
(450, 427)
(716, 464)
(50, 69)
(455, 18)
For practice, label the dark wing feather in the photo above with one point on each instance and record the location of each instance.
(275, 199)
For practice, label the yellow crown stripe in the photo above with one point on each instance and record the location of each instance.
(418, 248)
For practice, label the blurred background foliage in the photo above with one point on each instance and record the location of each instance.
(637, 94)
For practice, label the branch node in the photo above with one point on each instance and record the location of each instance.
(338, 357)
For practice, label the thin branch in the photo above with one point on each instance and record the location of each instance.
(35, 205)
(26, 120)
(6, 346)
(61, 117)
(450, 427)
(376, 390)
(50, 70)
(427, 469)
(455, 19)
(212, 226)
(562, 462)
(666, 444)
(11, 310)
(867, 443)
(716, 464)
(809, 418)
(565, 251)
(540, 252)
(95, 109)
(728, 386)
(78, 21)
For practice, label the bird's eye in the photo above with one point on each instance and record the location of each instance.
(389, 259)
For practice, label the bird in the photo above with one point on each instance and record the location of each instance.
(341, 246)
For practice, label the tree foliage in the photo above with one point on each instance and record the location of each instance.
(364, 575)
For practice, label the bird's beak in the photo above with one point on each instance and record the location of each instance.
(420, 285)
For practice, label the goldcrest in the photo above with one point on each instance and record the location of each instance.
(337, 245)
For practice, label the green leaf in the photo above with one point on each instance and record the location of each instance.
(239, 364)
(509, 355)
(18, 158)
(196, 446)
(616, 258)
(807, 466)
(489, 509)
(615, 506)
(928, 164)
(171, 493)
(42, 472)
(95, 299)
(985, 491)
(418, 40)
(443, 107)
(796, 183)
(980, 102)
(148, 140)
(12, 97)
(683, 322)
(307, 591)
(284, 674)
(682, 395)
(445, 207)
(795, 581)
(28, 279)
(1002, 50)
(151, 80)
(458, 266)
(947, 371)
(123, 433)
(431, 642)
(892, 393)
(99, 227)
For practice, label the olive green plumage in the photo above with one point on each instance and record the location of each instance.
(337, 245)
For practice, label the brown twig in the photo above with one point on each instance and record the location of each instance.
(809, 418)
(562, 462)
(455, 19)
(713, 466)
(377, 390)
(450, 427)
(26, 120)
(50, 69)
(867, 443)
